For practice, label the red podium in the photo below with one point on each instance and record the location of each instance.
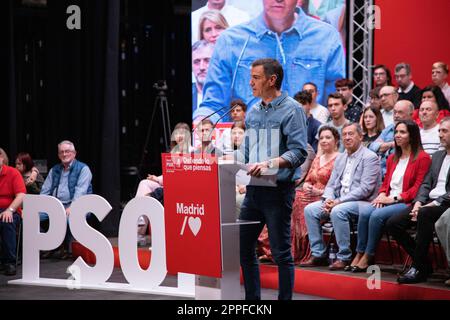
(202, 230)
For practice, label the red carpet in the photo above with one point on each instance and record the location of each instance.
(318, 282)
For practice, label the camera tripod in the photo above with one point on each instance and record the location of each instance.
(162, 105)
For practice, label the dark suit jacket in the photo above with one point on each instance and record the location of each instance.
(430, 181)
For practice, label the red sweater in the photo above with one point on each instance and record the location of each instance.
(11, 183)
(412, 179)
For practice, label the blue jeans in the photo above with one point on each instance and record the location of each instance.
(370, 224)
(340, 217)
(271, 206)
(8, 233)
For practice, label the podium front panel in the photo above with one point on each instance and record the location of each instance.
(192, 214)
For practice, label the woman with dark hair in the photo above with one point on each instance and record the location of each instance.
(433, 93)
(372, 125)
(311, 191)
(33, 180)
(381, 76)
(406, 169)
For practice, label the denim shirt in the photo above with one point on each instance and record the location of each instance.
(310, 50)
(276, 130)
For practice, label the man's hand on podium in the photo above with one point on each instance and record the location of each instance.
(257, 169)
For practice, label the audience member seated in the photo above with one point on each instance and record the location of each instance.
(406, 169)
(381, 76)
(434, 93)
(30, 174)
(300, 174)
(388, 98)
(12, 191)
(205, 133)
(236, 139)
(354, 109)
(237, 114)
(407, 90)
(384, 145)
(318, 111)
(153, 185)
(443, 232)
(439, 74)
(429, 134)
(305, 99)
(354, 182)
(66, 181)
(374, 98)
(312, 190)
(337, 106)
(372, 125)
(432, 200)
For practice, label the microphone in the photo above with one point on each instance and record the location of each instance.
(221, 117)
(210, 115)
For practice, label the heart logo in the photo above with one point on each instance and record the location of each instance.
(195, 224)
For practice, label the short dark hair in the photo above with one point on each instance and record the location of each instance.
(344, 83)
(238, 102)
(25, 158)
(207, 121)
(388, 73)
(238, 124)
(333, 131)
(303, 97)
(414, 139)
(311, 84)
(336, 95)
(271, 67)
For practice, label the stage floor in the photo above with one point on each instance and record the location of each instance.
(56, 269)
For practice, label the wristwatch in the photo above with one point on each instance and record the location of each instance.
(270, 164)
(12, 210)
(396, 200)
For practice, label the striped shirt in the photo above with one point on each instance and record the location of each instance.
(430, 140)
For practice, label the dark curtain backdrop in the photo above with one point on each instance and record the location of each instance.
(94, 86)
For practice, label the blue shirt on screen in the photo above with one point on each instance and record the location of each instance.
(309, 51)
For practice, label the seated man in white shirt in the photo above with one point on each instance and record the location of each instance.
(389, 97)
(429, 134)
(432, 200)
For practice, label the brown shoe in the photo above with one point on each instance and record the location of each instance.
(338, 265)
(314, 262)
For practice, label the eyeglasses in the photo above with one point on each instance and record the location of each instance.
(64, 151)
(385, 95)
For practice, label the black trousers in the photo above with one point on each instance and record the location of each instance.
(398, 224)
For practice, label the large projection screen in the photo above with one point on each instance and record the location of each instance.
(225, 42)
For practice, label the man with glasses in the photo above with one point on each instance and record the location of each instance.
(389, 97)
(66, 181)
(407, 90)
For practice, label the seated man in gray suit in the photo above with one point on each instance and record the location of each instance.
(354, 182)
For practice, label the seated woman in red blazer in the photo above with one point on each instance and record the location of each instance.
(406, 169)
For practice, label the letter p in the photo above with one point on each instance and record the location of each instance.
(33, 239)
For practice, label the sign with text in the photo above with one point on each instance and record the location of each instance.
(192, 214)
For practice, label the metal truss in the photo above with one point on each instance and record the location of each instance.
(360, 47)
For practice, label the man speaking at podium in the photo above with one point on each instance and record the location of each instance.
(275, 142)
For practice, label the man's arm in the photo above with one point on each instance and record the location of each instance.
(46, 187)
(294, 129)
(84, 180)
